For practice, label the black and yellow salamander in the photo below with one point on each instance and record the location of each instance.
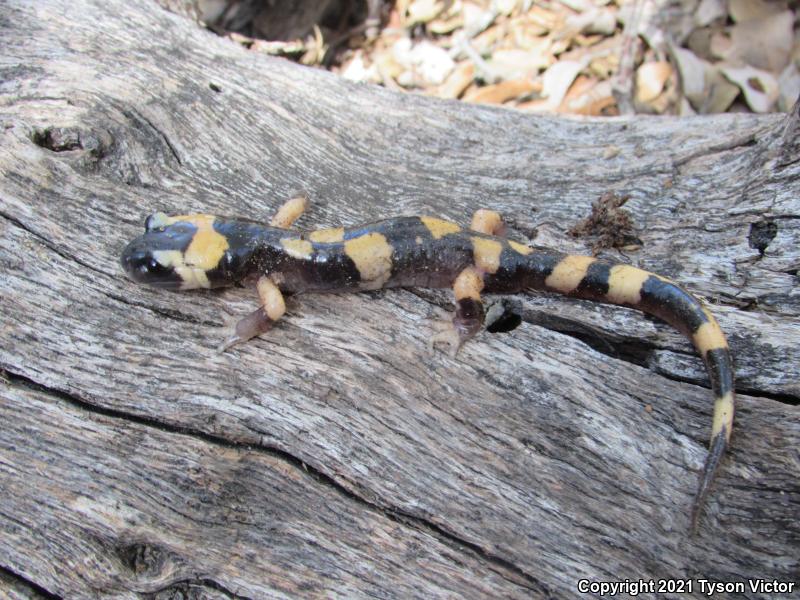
(204, 251)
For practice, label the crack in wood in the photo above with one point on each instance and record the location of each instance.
(19, 580)
(175, 315)
(744, 141)
(623, 353)
(503, 567)
(632, 351)
(50, 245)
(135, 115)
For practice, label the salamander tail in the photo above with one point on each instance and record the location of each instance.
(587, 277)
(715, 453)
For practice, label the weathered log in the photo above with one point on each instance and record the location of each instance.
(337, 455)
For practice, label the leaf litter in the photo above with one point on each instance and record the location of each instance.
(585, 57)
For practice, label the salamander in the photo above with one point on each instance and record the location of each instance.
(205, 251)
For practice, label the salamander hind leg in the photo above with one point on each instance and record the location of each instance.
(260, 320)
(469, 315)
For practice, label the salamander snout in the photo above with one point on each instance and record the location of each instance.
(144, 265)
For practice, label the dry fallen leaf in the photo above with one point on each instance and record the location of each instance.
(692, 71)
(721, 92)
(422, 11)
(444, 26)
(516, 64)
(595, 101)
(505, 7)
(720, 45)
(425, 63)
(789, 86)
(699, 42)
(578, 5)
(503, 92)
(709, 11)
(595, 20)
(760, 88)
(557, 79)
(500, 51)
(748, 10)
(356, 70)
(650, 80)
(555, 83)
(685, 108)
(457, 82)
(387, 65)
(544, 18)
(763, 43)
(579, 87)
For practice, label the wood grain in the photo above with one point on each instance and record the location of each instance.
(337, 456)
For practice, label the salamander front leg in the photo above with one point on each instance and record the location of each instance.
(289, 212)
(260, 320)
(469, 315)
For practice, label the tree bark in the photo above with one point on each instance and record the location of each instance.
(337, 456)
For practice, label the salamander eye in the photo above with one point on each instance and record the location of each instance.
(152, 267)
(156, 220)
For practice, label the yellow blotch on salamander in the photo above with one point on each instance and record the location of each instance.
(207, 247)
(521, 248)
(191, 277)
(625, 284)
(486, 254)
(327, 236)
(709, 336)
(372, 255)
(297, 248)
(439, 227)
(568, 273)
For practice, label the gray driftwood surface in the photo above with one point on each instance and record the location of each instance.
(337, 456)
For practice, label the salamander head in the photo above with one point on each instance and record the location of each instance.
(181, 252)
